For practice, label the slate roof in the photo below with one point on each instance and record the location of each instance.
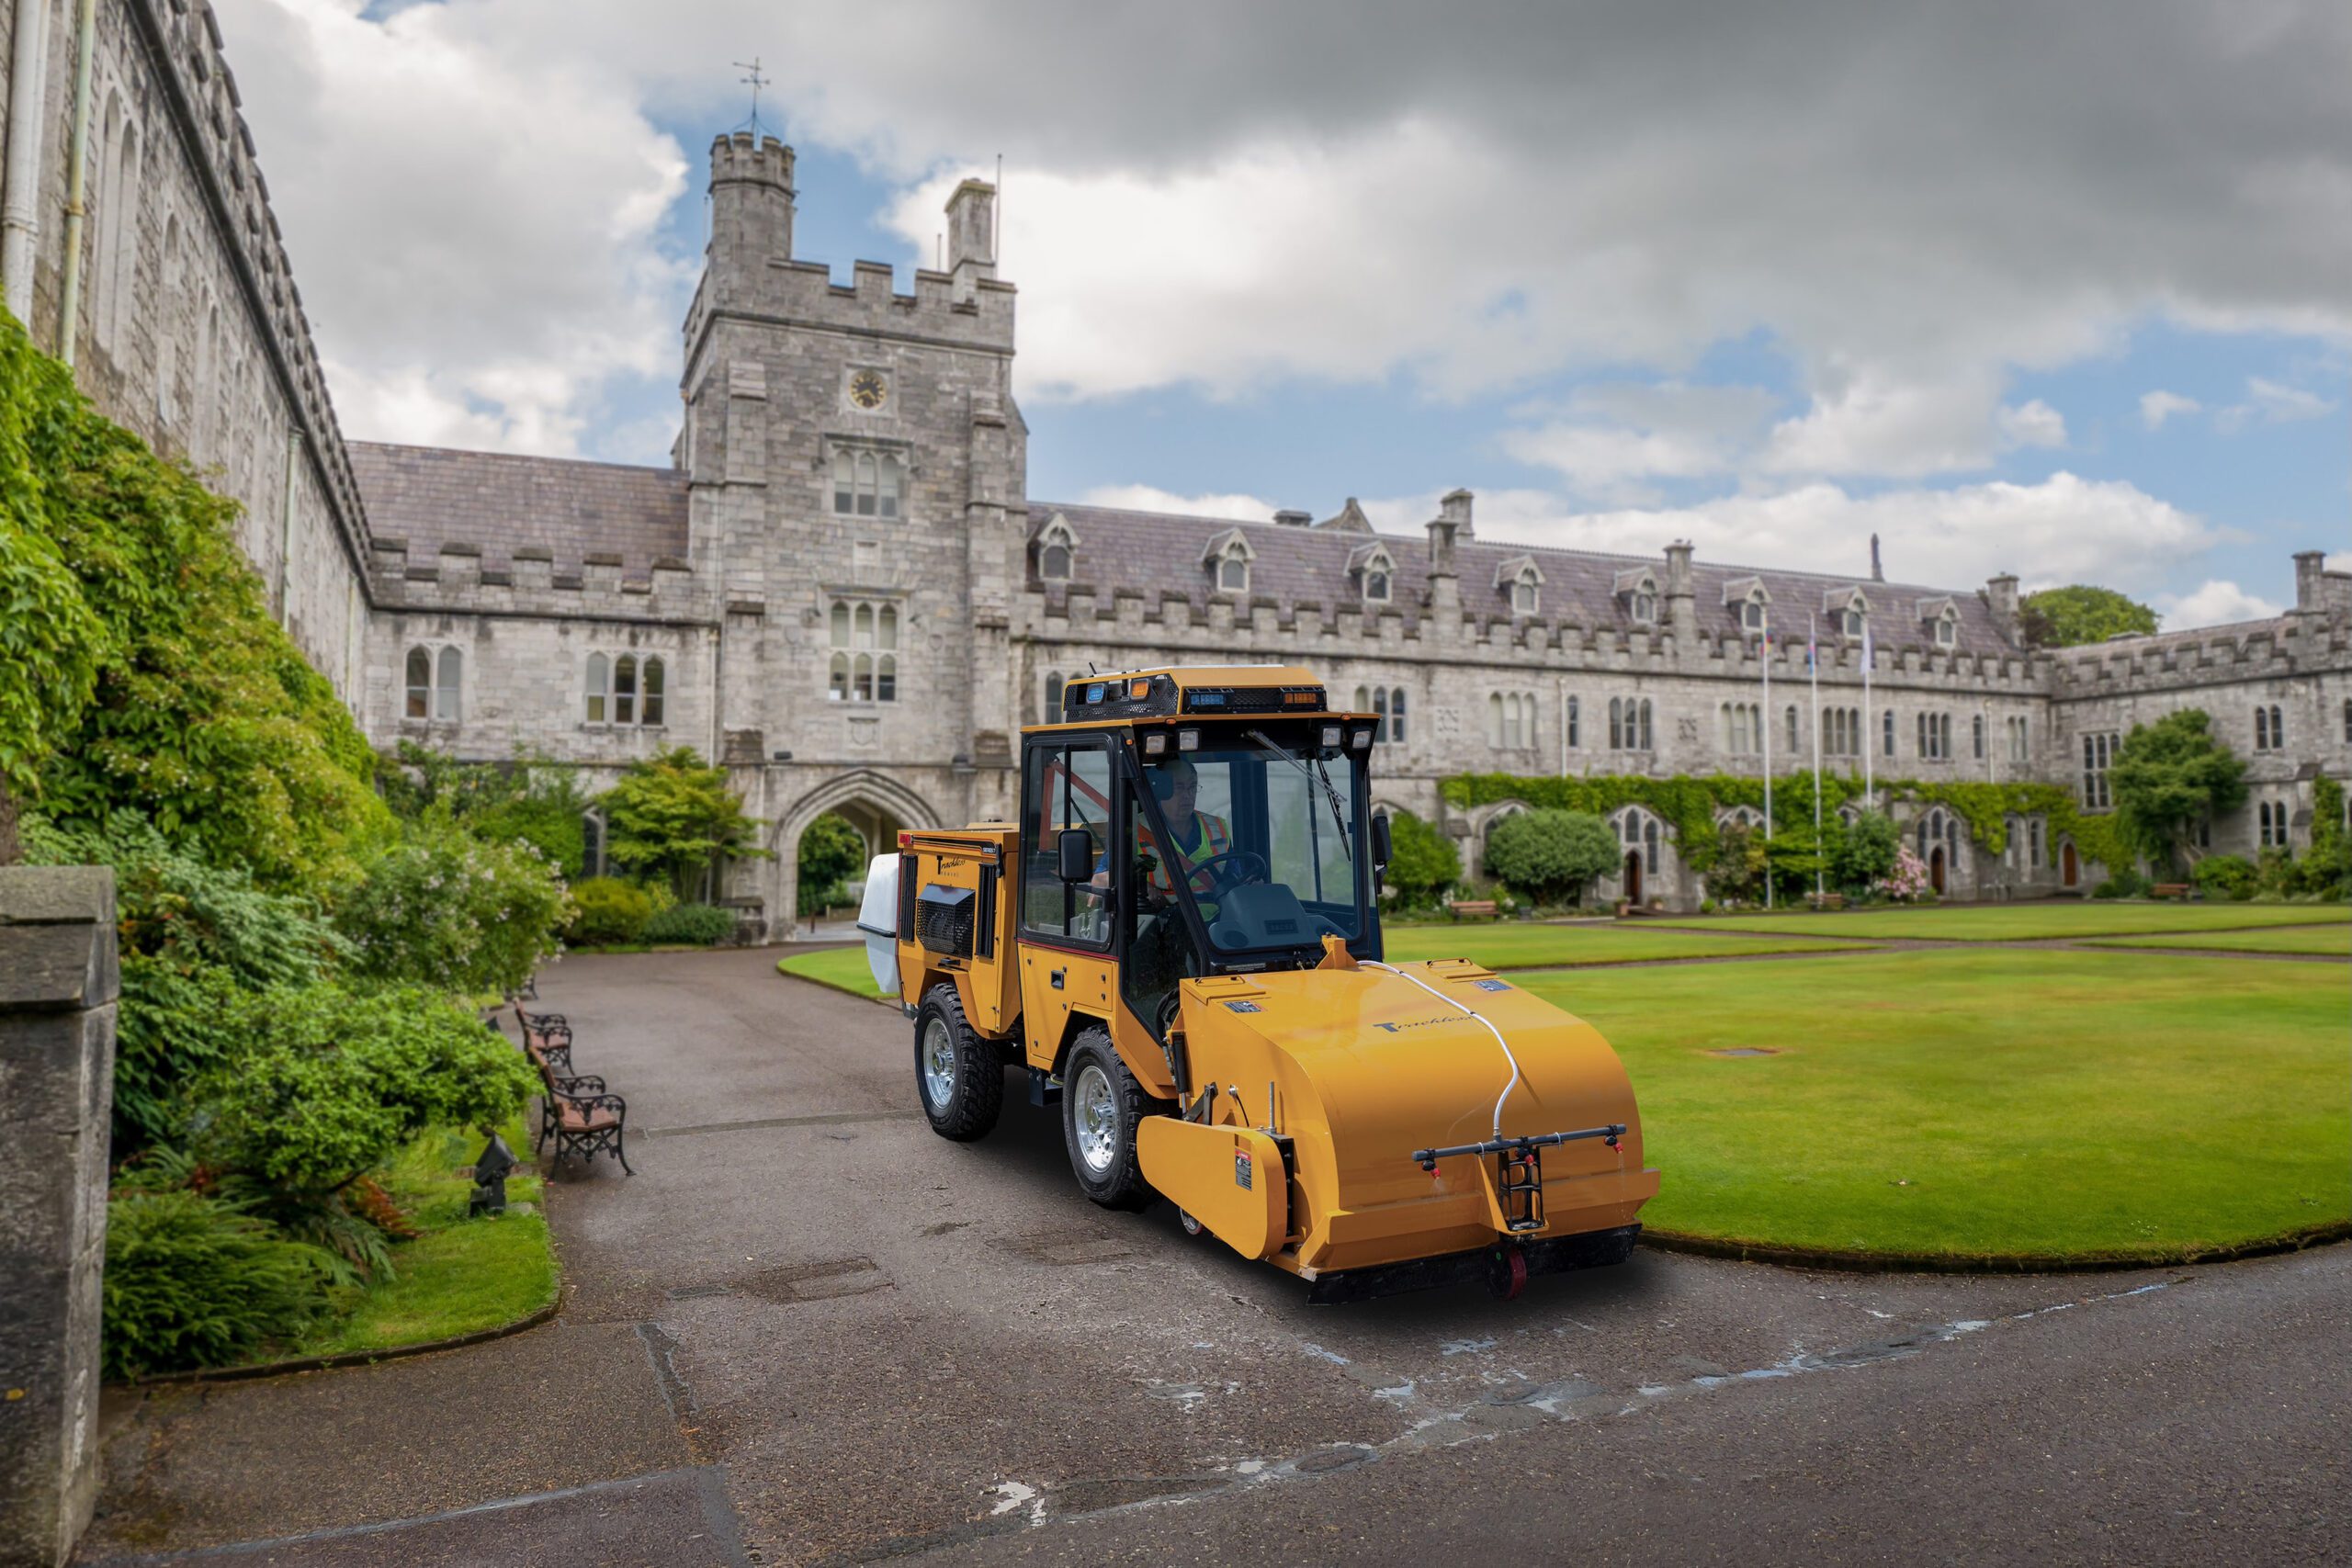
(498, 505)
(1159, 553)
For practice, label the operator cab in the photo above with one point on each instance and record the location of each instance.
(1197, 821)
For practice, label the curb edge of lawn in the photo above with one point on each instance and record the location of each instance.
(1852, 1263)
(353, 1357)
(890, 1002)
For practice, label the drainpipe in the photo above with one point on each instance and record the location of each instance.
(286, 524)
(20, 198)
(85, 33)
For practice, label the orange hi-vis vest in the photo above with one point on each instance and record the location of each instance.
(1215, 839)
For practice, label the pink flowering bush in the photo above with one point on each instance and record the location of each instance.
(1908, 881)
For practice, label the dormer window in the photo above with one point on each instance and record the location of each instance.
(1228, 557)
(1522, 581)
(1375, 570)
(1056, 548)
(1947, 630)
(1943, 622)
(1848, 613)
(1638, 591)
(1376, 587)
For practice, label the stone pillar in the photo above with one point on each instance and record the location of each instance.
(57, 981)
(1682, 601)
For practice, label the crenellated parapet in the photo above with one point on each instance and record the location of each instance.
(598, 586)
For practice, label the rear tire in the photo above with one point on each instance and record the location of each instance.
(959, 1077)
(1102, 1102)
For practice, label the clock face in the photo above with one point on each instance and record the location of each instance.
(869, 390)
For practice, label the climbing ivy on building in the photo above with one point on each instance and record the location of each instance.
(1690, 804)
(141, 671)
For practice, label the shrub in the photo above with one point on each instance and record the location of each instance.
(192, 939)
(2225, 877)
(606, 909)
(1863, 853)
(447, 908)
(2124, 884)
(1423, 861)
(329, 1081)
(192, 1281)
(698, 924)
(672, 816)
(1550, 856)
(1908, 881)
(526, 799)
(1737, 874)
(2274, 873)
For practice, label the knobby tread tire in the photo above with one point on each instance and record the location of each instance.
(1122, 1186)
(978, 1098)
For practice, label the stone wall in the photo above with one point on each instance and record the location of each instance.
(190, 329)
(58, 982)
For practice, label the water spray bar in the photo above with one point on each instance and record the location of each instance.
(1427, 1158)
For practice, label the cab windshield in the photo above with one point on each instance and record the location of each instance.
(1263, 836)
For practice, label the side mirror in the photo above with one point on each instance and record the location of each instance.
(1380, 841)
(1075, 848)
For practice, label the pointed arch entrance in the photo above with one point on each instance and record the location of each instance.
(2070, 870)
(877, 804)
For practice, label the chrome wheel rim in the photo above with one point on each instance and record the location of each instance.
(1097, 1121)
(938, 1064)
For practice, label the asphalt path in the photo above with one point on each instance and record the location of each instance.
(809, 1331)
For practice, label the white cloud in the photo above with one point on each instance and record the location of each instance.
(473, 236)
(2159, 406)
(2272, 402)
(2213, 603)
(1474, 194)
(2031, 424)
(2064, 529)
(1150, 498)
(1608, 440)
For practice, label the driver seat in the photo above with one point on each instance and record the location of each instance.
(1262, 914)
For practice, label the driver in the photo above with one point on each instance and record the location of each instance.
(1195, 836)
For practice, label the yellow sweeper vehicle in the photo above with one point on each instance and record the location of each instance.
(1180, 939)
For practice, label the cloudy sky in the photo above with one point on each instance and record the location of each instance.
(2059, 289)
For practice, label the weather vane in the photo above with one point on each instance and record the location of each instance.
(756, 80)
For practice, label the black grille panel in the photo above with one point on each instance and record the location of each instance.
(945, 918)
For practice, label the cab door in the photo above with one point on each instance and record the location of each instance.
(1065, 927)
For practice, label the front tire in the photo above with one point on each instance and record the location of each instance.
(959, 1075)
(1102, 1102)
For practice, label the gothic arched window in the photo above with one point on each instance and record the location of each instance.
(420, 683)
(599, 681)
(451, 667)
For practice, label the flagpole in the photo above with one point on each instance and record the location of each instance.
(1813, 674)
(1767, 646)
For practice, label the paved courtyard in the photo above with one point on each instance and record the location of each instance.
(809, 1331)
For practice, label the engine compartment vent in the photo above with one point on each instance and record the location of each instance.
(944, 918)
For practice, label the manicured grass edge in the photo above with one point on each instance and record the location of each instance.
(813, 980)
(1857, 1262)
(356, 1357)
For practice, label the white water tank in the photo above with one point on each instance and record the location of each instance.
(877, 917)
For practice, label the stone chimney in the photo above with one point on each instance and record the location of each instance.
(1290, 519)
(1681, 599)
(2310, 578)
(1877, 571)
(971, 235)
(1455, 508)
(2001, 598)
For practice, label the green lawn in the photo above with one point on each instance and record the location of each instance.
(843, 968)
(463, 1275)
(2335, 941)
(1514, 945)
(2028, 922)
(1973, 1102)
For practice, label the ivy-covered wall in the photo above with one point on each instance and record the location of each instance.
(1690, 804)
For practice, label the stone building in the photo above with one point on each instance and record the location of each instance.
(185, 322)
(840, 587)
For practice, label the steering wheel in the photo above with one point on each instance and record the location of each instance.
(1228, 877)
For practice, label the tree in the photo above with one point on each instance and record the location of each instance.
(830, 850)
(1863, 853)
(1551, 855)
(672, 816)
(2167, 777)
(1422, 861)
(2068, 617)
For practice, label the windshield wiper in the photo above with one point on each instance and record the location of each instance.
(1318, 775)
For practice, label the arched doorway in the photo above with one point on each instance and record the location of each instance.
(878, 806)
(2069, 871)
(1633, 876)
(1936, 870)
